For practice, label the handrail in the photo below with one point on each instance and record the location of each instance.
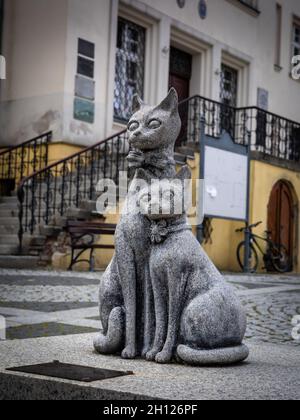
(26, 143)
(18, 162)
(81, 152)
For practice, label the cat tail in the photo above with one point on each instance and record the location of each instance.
(113, 341)
(223, 356)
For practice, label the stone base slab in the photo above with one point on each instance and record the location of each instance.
(272, 372)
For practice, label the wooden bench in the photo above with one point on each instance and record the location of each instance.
(82, 236)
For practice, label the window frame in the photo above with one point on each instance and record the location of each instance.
(122, 54)
(278, 45)
(295, 24)
(242, 4)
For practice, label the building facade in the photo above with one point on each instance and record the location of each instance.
(72, 67)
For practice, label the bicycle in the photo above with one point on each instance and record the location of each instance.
(275, 258)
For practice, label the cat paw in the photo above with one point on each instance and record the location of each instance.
(150, 356)
(129, 353)
(145, 351)
(164, 357)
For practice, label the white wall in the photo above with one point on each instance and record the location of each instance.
(41, 49)
(89, 20)
(32, 95)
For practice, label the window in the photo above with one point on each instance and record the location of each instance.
(228, 97)
(84, 101)
(250, 6)
(1, 23)
(130, 67)
(229, 86)
(250, 3)
(278, 36)
(296, 38)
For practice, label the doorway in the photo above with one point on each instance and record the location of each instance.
(281, 217)
(180, 75)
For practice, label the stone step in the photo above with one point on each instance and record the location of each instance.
(88, 205)
(77, 214)
(50, 230)
(193, 146)
(9, 221)
(19, 262)
(9, 206)
(189, 153)
(9, 240)
(37, 241)
(180, 159)
(9, 200)
(9, 229)
(9, 212)
(9, 249)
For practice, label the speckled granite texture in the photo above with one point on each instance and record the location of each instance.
(161, 297)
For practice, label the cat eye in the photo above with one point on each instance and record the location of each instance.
(132, 126)
(154, 124)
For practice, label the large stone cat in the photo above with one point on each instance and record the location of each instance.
(198, 317)
(152, 135)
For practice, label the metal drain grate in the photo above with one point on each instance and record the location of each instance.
(70, 372)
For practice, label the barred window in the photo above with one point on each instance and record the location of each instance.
(130, 67)
(251, 3)
(229, 86)
(296, 39)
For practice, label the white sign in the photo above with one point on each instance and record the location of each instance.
(2, 328)
(226, 184)
(296, 68)
(2, 68)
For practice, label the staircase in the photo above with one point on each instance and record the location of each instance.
(9, 241)
(17, 163)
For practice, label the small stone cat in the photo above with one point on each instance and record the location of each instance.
(152, 135)
(198, 318)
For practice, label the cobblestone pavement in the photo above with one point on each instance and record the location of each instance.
(41, 304)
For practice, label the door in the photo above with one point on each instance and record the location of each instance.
(179, 78)
(281, 216)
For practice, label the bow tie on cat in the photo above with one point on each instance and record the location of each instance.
(137, 159)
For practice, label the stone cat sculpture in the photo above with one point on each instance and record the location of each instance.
(198, 318)
(152, 135)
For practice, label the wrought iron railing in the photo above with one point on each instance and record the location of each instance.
(217, 116)
(50, 192)
(17, 163)
(64, 185)
(270, 134)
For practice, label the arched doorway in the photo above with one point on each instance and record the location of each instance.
(281, 217)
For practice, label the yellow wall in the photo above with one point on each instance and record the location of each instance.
(58, 151)
(264, 177)
(225, 240)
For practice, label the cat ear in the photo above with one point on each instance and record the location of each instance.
(184, 174)
(170, 103)
(137, 103)
(142, 174)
